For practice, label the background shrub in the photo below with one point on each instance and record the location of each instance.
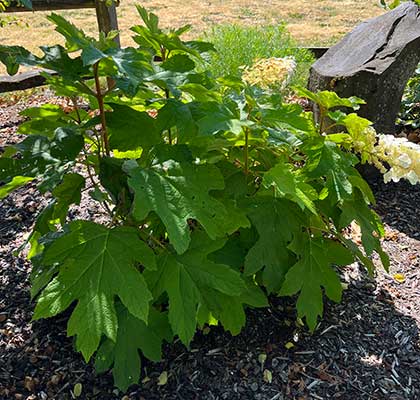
(239, 45)
(410, 104)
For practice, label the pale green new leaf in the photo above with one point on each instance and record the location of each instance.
(95, 265)
(178, 191)
(14, 184)
(290, 186)
(328, 99)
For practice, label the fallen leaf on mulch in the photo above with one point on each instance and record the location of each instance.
(77, 390)
(400, 278)
(163, 378)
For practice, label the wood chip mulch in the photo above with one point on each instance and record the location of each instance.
(367, 347)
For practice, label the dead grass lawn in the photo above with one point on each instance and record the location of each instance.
(319, 22)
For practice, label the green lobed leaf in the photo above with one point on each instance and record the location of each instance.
(176, 114)
(312, 272)
(328, 99)
(372, 229)
(14, 56)
(289, 185)
(43, 158)
(132, 67)
(276, 221)
(212, 117)
(133, 334)
(186, 279)
(178, 63)
(67, 193)
(326, 160)
(178, 191)
(95, 265)
(76, 39)
(130, 129)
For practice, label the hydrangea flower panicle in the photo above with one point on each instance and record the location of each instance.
(268, 73)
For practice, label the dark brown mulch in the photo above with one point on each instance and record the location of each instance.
(367, 347)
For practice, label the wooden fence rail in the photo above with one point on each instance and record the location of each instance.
(51, 5)
(107, 21)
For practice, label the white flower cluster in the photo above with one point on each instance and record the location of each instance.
(270, 72)
(397, 158)
(402, 156)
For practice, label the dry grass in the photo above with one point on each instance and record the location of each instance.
(310, 21)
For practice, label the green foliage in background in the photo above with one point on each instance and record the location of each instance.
(391, 4)
(218, 194)
(239, 46)
(410, 104)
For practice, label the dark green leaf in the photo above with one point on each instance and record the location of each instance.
(130, 129)
(178, 191)
(133, 334)
(96, 264)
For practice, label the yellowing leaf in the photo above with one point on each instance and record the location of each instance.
(77, 390)
(206, 330)
(262, 358)
(289, 345)
(267, 376)
(17, 182)
(400, 278)
(163, 378)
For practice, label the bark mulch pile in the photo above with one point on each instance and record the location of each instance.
(367, 347)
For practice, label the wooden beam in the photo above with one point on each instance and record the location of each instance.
(318, 52)
(51, 5)
(25, 80)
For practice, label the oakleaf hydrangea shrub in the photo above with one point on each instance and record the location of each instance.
(219, 194)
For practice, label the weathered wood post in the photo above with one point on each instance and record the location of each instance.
(107, 22)
(107, 18)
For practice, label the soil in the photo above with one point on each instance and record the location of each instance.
(367, 347)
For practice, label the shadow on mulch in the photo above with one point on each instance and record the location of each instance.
(364, 348)
(398, 205)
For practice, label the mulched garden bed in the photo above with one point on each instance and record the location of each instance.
(367, 347)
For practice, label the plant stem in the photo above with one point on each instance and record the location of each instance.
(169, 136)
(96, 184)
(246, 153)
(100, 98)
(321, 119)
(163, 56)
(76, 108)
